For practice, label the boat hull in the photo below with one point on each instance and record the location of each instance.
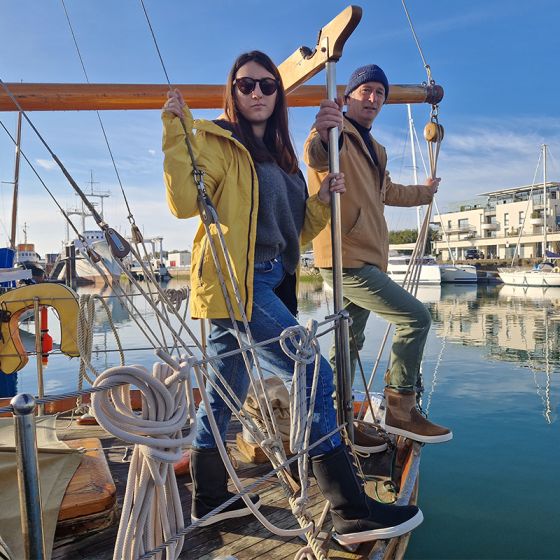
(429, 273)
(458, 274)
(520, 277)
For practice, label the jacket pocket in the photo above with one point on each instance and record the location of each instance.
(202, 255)
(358, 226)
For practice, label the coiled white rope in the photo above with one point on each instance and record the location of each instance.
(152, 511)
(86, 319)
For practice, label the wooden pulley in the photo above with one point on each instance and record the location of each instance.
(433, 132)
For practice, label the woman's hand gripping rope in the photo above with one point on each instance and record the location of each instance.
(174, 104)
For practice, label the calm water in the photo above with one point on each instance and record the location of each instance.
(491, 372)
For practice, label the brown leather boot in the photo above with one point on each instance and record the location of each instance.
(404, 419)
(368, 438)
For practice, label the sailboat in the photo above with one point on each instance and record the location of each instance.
(406, 464)
(431, 272)
(544, 274)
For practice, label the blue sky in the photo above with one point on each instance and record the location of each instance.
(496, 59)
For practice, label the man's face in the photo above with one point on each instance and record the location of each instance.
(365, 102)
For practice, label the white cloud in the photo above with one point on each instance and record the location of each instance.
(46, 164)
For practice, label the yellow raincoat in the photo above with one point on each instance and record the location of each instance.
(232, 185)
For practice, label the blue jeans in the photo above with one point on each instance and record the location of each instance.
(269, 318)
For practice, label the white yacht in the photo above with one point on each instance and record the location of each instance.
(397, 268)
(545, 275)
(458, 273)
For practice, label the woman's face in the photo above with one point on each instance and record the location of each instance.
(255, 106)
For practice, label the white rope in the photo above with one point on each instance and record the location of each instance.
(152, 511)
(301, 415)
(233, 475)
(86, 319)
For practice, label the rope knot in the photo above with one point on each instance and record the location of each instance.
(304, 341)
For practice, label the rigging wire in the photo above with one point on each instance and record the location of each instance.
(78, 234)
(130, 215)
(426, 65)
(156, 44)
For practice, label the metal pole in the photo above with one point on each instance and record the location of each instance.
(344, 404)
(39, 354)
(16, 185)
(28, 477)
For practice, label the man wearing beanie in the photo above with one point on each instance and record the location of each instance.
(365, 245)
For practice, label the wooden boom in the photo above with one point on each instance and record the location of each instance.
(299, 67)
(88, 97)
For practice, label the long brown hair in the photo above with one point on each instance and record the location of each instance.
(277, 142)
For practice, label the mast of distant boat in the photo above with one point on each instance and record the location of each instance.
(414, 168)
(16, 186)
(545, 211)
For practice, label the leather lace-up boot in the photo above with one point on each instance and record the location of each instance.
(368, 438)
(404, 419)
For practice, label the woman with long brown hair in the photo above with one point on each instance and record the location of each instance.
(252, 176)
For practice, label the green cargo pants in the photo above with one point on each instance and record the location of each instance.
(368, 289)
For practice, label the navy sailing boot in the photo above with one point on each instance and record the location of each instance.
(357, 517)
(210, 480)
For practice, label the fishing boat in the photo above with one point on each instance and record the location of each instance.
(76, 261)
(27, 258)
(293, 511)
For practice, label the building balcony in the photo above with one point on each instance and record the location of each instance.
(490, 211)
(536, 221)
(459, 229)
(490, 227)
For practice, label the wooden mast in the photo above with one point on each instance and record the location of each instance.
(13, 231)
(87, 97)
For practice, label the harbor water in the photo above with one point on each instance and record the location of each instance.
(491, 373)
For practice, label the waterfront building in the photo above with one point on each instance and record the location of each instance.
(499, 220)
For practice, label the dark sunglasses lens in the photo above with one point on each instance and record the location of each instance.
(268, 86)
(245, 85)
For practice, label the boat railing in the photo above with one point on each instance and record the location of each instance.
(303, 348)
(24, 406)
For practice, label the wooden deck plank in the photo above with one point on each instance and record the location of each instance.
(244, 538)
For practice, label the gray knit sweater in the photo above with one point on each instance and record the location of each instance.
(281, 215)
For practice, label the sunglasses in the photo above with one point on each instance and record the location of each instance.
(247, 85)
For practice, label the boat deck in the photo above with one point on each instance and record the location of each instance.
(244, 538)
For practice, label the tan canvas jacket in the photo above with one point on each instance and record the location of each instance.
(365, 239)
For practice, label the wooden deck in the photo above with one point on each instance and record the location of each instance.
(244, 538)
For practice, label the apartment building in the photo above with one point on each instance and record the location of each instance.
(496, 226)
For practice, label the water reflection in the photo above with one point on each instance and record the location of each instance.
(507, 325)
(511, 324)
